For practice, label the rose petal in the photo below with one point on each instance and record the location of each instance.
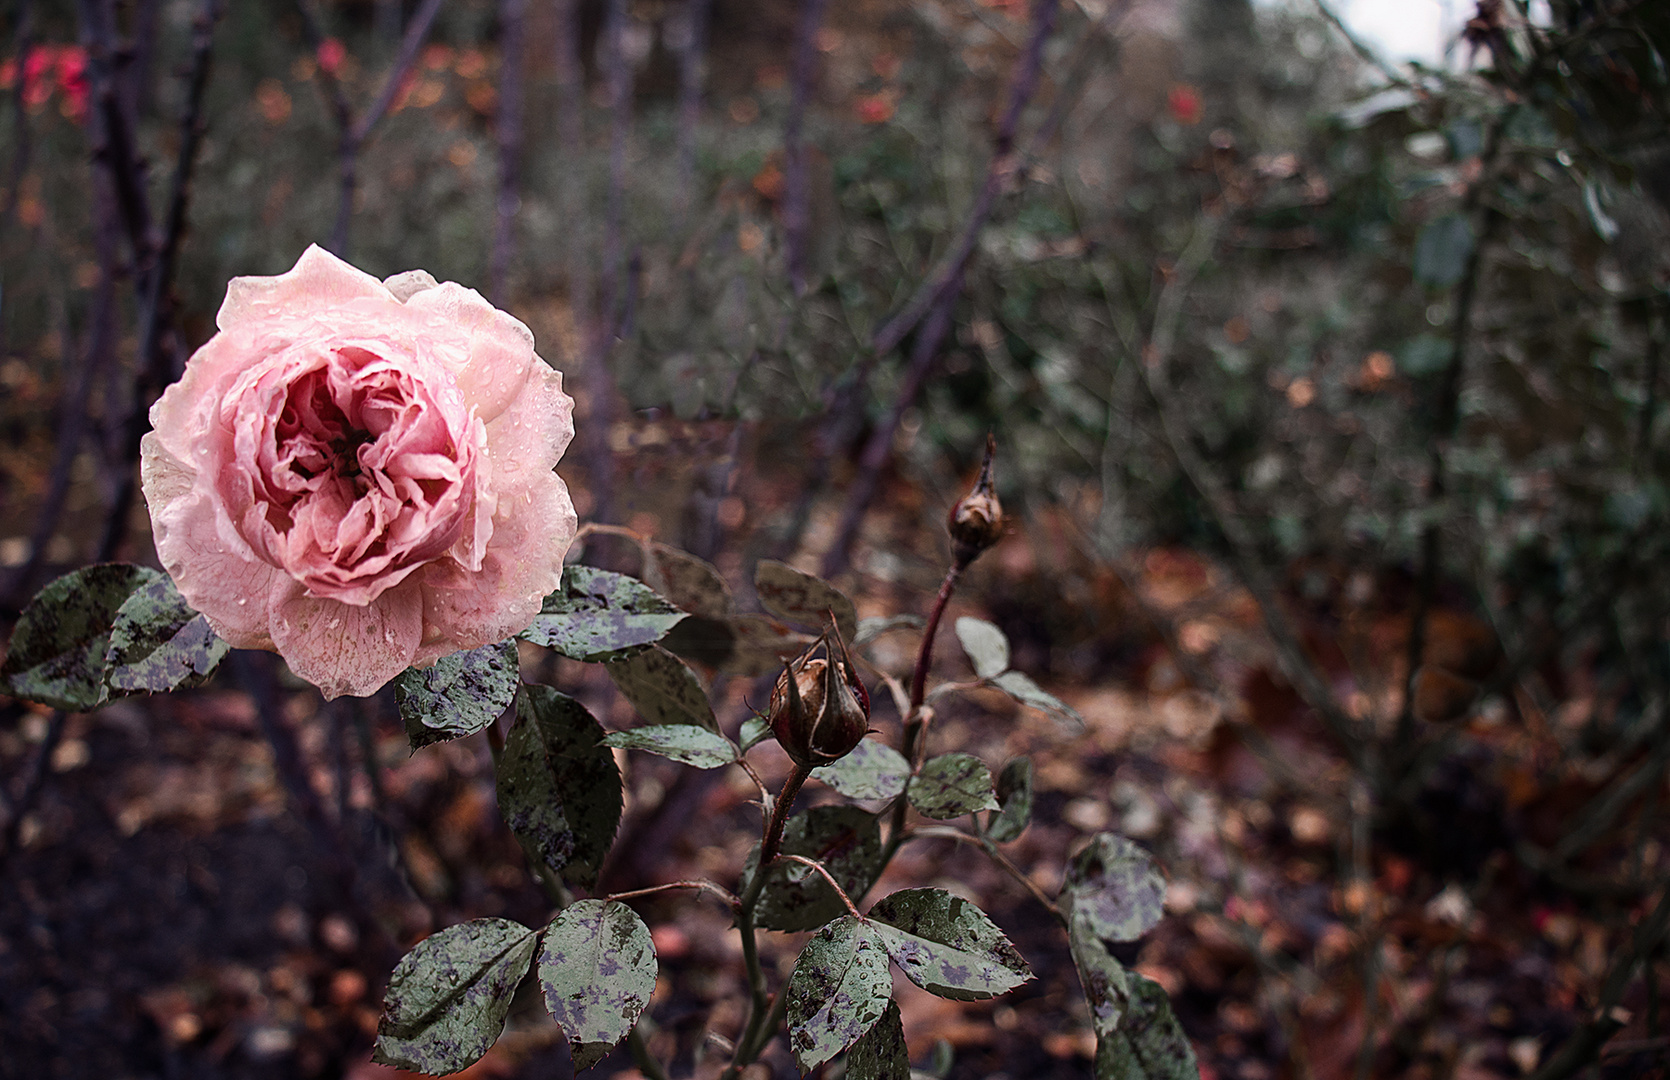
(347, 648)
(318, 280)
(522, 566)
(500, 352)
(529, 437)
(406, 285)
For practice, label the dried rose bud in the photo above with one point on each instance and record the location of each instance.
(819, 708)
(976, 522)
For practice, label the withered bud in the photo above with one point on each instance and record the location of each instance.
(976, 522)
(820, 710)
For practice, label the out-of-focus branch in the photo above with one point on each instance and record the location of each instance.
(1360, 47)
(692, 72)
(512, 19)
(353, 132)
(156, 365)
(1295, 662)
(796, 214)
(1448, 413)
(934, 302)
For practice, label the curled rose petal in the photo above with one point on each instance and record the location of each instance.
(359, 475)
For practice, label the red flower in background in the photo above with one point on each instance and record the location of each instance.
(46, 67)
(1183, 102)
(330, 55)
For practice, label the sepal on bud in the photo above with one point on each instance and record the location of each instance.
(976, 522)
(820, 710)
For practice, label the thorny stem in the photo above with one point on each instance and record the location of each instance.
(925, 655)
(760, 1008)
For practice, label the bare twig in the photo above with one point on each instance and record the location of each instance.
(353, 132)
(692, 68)
(1448, 411)
(512, 17)
(695, 883)
(156, 366)
(1361, 48)
(33, 782)
(796, 215)
(995, 853)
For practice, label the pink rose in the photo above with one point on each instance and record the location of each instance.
(357, 474)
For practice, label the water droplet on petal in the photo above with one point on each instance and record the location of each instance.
(242, 600)
(333, 624)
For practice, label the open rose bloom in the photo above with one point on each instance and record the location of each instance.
(358, 474)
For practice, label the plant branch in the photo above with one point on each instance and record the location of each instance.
(694, 883)
(796, 215)
(846, 901)
(995, 853)
(512, 47)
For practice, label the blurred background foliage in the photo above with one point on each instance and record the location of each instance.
(1389, 336)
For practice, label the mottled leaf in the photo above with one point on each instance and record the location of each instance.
(986, 646)
(448, 997)
(839, 988)
(1024, 690)
(880, 1054)
(873, 770)
(598, 970)
(458, 695)
(952, 785)
(600, 615)
(755, 730)
(800, 597)
(158, 643)
(846, 840)
(947, 946)
(57, 651)
(1442, 251)
(1103, 978)
(687, 743)
(1114, 885)
(692, 583)
(745, 645)
(1150, 1044)
(1014, 797)
(662, 688)
(559, 789)
(870, 629)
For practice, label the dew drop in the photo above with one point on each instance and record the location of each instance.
(333, 624)
(242, 600)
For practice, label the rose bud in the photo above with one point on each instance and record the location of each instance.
(819, 707)
(976, 522)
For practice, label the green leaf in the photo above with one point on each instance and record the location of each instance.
(57, 651)
(458, 695)
(662, 688)
(1103, 978)
(448, 997)
(598, 969)
(687, 743)
(846, 840)
(559, 789)
(1014, 797)
(755, 730)
(159, 643)
(839, 989)
(873, 770)
(1442, 251)
(870, 629)
(1114, 885)
(1024, 690)
(986, 646)
(800, 597)
(1150, 1044)
(947, 946)
(740, 645)
(952, 785)
(880, 1054)
(692, 583)
(600, 615)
